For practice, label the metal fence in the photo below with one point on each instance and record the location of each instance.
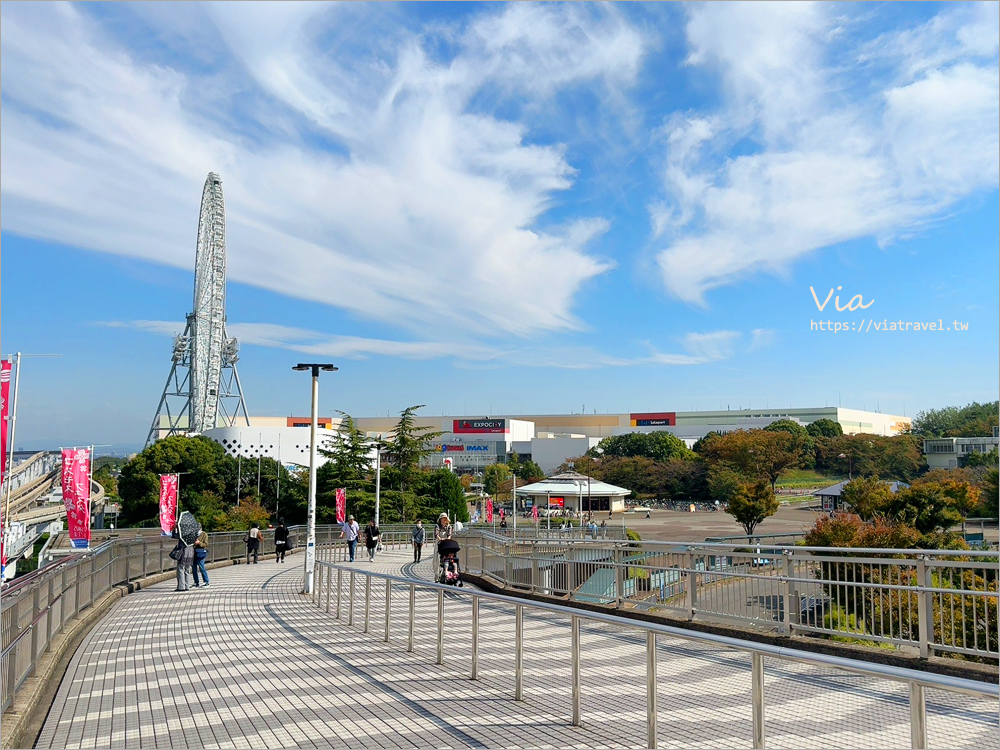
(37, 607)
(336, 591)
(937, 601)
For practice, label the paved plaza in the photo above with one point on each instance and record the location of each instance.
(251, 663)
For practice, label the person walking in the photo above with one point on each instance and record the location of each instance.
(418, 540)
(371, 539)
(200, 553)
(253, 539)
(442, 530)
(350, 531)
(184, 555)
(280, 541)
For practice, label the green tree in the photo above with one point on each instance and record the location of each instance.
(658, 446)
(409, 444)
(802, 442)
(970, 460)
(701, 445)
(202, 463)
(824, 428)
(972, 420)
(751, 504)
(928, 507)
(348, 454)
(723, 483)
(867, 497)
(446, 491)
(526, 471)
(493, 476)
(756, 454)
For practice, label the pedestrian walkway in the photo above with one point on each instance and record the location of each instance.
(252, 663)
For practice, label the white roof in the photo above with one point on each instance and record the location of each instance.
(572, 483)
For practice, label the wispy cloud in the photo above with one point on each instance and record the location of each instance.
(375, 182)
(802, 154)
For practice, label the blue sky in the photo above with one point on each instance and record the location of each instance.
(493, 208)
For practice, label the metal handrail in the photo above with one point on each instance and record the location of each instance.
(926, 602)
(918, 681)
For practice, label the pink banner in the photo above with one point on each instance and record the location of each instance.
(4, 400)
(341, 505)
(489, 510)
(76, 494)
(168, 502)
(534, 512)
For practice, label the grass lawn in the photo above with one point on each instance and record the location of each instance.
(806, 478)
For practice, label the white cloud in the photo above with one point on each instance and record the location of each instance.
(821, 160)
(374, 186)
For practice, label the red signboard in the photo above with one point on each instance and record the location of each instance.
(168, 502)
(341, 505)
(489, 510)
(479, 425)
(558, 502)
(76, 494)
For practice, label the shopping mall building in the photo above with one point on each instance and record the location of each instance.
(467, 444)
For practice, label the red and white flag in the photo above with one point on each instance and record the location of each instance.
(4, 400)
(489, 510)
(168, 502)
(76, 494)
(341, 505)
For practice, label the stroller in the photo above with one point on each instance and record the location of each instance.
(451, 572)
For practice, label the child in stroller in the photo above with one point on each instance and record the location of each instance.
(451, 572)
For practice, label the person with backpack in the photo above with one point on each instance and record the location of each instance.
(252, 540)
(418, 540)
(280, 541)
(371, 539)
(200, 553)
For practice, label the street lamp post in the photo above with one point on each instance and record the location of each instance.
(850, 464)
(310, 562)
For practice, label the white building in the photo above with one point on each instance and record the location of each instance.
(947, 453)
(574, 493)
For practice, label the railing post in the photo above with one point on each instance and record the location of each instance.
(340, 585)
(329, 585)
(786, 594)
(692, 585)
(918, 717)
(651, 690)
(925, 608)
(619, 576)
(409, 637)
(388, 607)
(535, 577)
(475, 637)
(34, 631)
(368, 599)
(440, 629)
(570, 574)
(350, 603)
(757, 696)
(575, 649)
(518, 652)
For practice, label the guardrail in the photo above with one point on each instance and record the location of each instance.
(331, 587)
(38, 606)
(937, 601)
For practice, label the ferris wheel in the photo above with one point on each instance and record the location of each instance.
(203, 389)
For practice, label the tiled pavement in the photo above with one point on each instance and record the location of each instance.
(251, 663)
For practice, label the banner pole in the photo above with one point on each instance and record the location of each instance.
(12, 418)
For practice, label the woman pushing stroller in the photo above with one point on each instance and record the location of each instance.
(448, 549)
